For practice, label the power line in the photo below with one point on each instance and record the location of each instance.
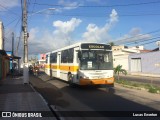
(101, 16)
(32, 11)
(145, 40)
(124, 40)
(33, 6)
(9, 10)
(149, 42)
(118, 5)
(10, 22)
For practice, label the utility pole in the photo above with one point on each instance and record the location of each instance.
(12, 49)
(12, 44)
(25, 37)
(18, 39)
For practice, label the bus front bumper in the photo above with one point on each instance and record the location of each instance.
(96, 81)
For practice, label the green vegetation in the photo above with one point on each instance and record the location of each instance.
(131, 84)
(111, 43)
(119, 70)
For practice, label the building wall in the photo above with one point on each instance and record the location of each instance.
(149, 62)
(121, 60)
(120, 55)
(41, 56)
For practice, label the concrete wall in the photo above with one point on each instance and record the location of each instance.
(120, 55)
(121, 60)
(150, 62)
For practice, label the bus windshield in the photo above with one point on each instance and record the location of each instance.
(96, 60)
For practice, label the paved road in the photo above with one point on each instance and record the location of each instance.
(57, 92)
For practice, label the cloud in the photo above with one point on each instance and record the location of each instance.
(42, 41)
(8, 4)
(96, 1)
(134, 35)
(51, 40)
(33, 32)
(113, 16)
(64, 32)
(97, 34)
(66, 27)
(68, 5)
(134, 31)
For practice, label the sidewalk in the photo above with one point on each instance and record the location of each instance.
(20, 98)
(141, 79)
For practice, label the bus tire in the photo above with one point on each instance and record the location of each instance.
(70, 80)
(110, 90)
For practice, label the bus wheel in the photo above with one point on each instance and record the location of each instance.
(110, 90)
(70, 80)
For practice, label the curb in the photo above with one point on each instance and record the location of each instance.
(137, 88)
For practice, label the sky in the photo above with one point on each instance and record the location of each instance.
(53, 24)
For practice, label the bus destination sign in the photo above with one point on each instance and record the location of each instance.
(95, 46)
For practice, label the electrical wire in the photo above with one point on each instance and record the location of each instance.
(9, 10)
(10, 22)
(32, 11)
(98, 16)
(118, 5)
(149, 42)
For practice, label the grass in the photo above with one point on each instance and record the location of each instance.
(151, 88)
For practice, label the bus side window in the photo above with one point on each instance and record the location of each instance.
(70, 55)
(46, 58)
(77, 58)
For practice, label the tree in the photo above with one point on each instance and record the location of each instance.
(111, 43)
(119, 69)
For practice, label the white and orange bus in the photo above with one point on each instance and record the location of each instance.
(82, 64)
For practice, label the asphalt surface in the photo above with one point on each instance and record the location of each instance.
(58, 93)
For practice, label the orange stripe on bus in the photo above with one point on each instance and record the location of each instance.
(63, 67)
(96, 81)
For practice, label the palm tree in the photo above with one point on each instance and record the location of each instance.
(119, 69)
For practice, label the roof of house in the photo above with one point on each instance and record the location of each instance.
(156, 49)
(144, 51)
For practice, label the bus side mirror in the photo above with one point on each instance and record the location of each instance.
(79, 54)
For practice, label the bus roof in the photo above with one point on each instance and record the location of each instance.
(78, 45)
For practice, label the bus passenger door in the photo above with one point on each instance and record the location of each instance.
(58, 65)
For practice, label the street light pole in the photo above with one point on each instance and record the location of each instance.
(25, 37)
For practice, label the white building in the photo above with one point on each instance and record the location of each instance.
(121, 54)
(1, 36)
